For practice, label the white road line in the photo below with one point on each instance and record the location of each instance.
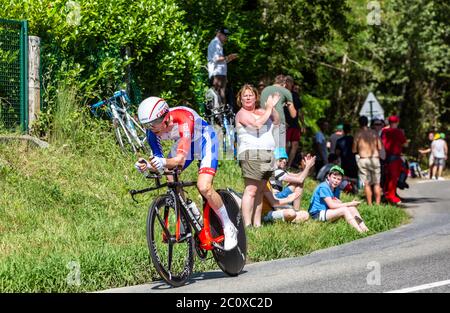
(422, 287)
(429, 181)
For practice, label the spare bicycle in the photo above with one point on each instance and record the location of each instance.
(129, 133)
(223, 116)
(173, 232)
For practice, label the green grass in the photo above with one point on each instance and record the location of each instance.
(70, 203)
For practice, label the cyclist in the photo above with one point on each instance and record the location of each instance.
(194, 139)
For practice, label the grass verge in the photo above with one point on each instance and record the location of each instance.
(65, 211)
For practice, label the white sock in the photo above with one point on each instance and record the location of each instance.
(223, 216)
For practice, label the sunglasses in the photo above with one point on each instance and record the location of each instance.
(155, 122)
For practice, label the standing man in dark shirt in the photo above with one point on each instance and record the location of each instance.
(293, 126)
(344, 151)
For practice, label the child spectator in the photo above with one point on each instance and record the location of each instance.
(333, 160)
(281, 209)
(348, 184)
(326, 206)
(283, 203)
(294, 180)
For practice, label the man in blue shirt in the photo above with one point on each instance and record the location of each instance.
(326, 206)
(217, 62)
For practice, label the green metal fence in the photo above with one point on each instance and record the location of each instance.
(13, 74)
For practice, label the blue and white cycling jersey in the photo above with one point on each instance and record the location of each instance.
(194, 138)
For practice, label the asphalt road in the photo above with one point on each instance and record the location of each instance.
(411, 258)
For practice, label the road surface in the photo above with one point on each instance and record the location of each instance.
(411, 258)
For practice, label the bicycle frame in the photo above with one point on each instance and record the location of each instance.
(207, 241)
(121, 116)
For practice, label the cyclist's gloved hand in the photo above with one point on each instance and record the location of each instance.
(142, 165)
(158, 163)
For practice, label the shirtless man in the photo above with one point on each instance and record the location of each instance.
(367, 146)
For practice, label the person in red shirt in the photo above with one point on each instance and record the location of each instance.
(393, 139)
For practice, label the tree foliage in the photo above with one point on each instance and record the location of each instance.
(159, 47)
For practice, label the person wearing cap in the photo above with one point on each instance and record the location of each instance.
(439, 149)
(430, 157)
(283, 202)
(325, 205)
(393, 139)
(294, 180)
(217, 62)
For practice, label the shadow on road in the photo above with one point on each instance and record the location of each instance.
(194, 278)
(420, 200)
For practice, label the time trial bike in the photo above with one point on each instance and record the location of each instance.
(174, 232)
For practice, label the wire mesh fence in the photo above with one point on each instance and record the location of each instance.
(13, 74)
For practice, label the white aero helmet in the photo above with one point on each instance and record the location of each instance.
(152, 110)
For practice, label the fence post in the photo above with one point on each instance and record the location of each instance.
(34, 86)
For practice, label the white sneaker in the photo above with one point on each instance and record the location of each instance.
(230, 232)
(441, 178)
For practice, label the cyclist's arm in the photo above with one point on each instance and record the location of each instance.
(178, 160)
(186, 131)
(155, 144)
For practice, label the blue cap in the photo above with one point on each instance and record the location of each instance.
(280, 153)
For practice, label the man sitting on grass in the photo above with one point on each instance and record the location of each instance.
(281, 209)
(294, 180)
(326, 206)
(283, 202)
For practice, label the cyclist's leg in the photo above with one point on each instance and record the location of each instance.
(208, 167)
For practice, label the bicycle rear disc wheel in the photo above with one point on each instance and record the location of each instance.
(230, 262)
(173, 260)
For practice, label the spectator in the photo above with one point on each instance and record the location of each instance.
(326, 206)
(338, 133)
(293, 126)
(393, 140)
(439, 149)
(281, 209)
(279, 86)
(430, 158)
(320, 145)
(347, 185)
(294, 180)
(367, 145)
(333, 160)
(261, 85)
(377, 125)
(217, 62)
(255, 149)
(344, 151)
(277, 209)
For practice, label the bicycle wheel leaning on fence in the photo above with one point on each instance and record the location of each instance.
(129, 133)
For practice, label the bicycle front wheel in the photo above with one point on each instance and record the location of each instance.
(123, 138)
(230, 262)
(172, 257)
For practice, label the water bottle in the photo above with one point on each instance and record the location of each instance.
(195, 211)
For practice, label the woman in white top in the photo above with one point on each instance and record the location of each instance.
(256, 144)
(439, 150)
